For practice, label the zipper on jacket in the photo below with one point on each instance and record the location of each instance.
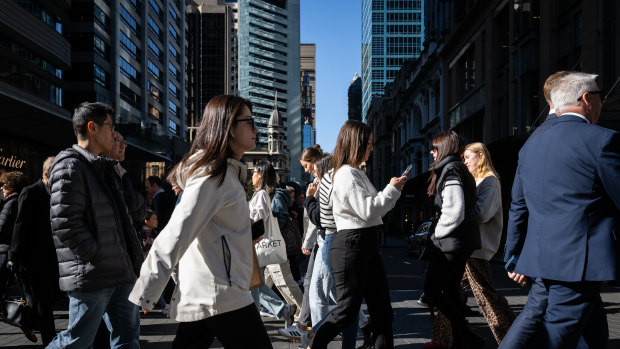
(227, 258)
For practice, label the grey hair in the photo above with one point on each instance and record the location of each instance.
(567, 90)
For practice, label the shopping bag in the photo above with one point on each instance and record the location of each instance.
(272, 248)
(257, 279)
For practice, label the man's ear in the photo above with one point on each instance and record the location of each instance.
(90, 127)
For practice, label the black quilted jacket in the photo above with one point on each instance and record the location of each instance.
(96, 244)
(8, 212)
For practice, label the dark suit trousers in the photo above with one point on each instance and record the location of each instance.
(560, 315)
(358, 273)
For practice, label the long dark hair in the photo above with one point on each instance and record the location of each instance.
(351, 144)
(446, 144)
(268, 180)
(213, 134)
(323, 164)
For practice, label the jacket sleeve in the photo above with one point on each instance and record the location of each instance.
(279, 210)
(365, 205)
(608, 167)
(133, 199)
(452, 208)
(259, 207)
(310, 233)
(517, 220)
(23, 225)
(489, 199)
(312, 206)
(202, 199)
(68, 214)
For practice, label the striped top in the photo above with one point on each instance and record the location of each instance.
(326, 203)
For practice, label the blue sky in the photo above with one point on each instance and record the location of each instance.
(336, 29)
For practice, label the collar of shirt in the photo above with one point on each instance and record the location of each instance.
(161, 190)
(579, 115)
(552, 111)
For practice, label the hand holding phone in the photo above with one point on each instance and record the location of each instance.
(407, 170)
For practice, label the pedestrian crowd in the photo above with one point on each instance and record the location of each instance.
(215, 261)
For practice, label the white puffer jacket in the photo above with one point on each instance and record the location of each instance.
(209, 236)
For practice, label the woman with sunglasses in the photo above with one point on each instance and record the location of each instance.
(454, 234)
(209, 237)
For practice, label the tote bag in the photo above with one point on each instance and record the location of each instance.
(272, 248)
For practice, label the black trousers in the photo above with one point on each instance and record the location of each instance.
(200, 334)
(442, 286)
(358, 274)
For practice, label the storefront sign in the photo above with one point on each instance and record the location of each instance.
(12, 161)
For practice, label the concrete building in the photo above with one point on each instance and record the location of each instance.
(269, 62)
(308, 90)
(212, 47)
(355, 99)
(136, 52)
(392, 32)
(481, 74)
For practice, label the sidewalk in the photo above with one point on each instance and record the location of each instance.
(412, 323)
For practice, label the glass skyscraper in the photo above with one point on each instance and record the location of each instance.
(392, 32)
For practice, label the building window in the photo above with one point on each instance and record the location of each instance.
(377, 29)
(173, 33)
(172, 126)
(404, 5)
(128, 70)
(377, 62)
(153, 91)
(154, 49)
(100, 47)
(174, 15)
(127, 19)
(153, 4)
(129, 96)
(154, 112)
(173, 70)
(102, 18)
(128, 45)
(377, 17)
(154, 27)
(404, 17)
(404, 29)
(173, 89)
(173, 108)
(174, 53)
(100, 76)
(153, 70)
(377, 4)
(133, 4)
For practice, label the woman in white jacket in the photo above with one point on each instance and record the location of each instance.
(208, 239)
(354, 256)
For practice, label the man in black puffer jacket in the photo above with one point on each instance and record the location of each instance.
(99, 253)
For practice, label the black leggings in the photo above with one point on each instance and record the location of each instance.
(224, 327)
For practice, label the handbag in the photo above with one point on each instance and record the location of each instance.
(427, 249)
(17, 304)
(271, 249)
(257, 279)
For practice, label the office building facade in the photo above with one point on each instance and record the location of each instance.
(392, 32)
(269, 63)
(308, 98)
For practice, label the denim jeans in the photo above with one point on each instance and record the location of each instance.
(264, 295)
(86, 308)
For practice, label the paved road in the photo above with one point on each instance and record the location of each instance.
(412, 323)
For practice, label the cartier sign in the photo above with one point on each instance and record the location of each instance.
(9, 160)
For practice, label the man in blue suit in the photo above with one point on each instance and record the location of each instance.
(565, 201)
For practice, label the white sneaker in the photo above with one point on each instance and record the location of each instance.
(291, 332)
(265, 312)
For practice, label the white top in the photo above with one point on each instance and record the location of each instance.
(208, 218)
(357, 204)
(260, 207)
(452, 208)
(489, 213)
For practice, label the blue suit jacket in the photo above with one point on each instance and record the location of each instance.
(565, 201)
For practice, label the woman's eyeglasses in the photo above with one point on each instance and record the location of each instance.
(248, 120)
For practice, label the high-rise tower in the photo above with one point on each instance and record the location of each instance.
(392, 32)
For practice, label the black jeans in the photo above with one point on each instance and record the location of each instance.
(358, 273)
(442, 287)
(201, 333)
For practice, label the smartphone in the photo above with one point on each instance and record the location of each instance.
(407, 170)
(512, 263)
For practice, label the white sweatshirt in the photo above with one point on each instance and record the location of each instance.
(357, 204)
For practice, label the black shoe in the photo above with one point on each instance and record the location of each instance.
(367, 331)
(425, 302)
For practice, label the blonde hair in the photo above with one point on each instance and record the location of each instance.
(485, 165)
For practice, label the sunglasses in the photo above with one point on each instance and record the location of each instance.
(248, 120)
(600, 93)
